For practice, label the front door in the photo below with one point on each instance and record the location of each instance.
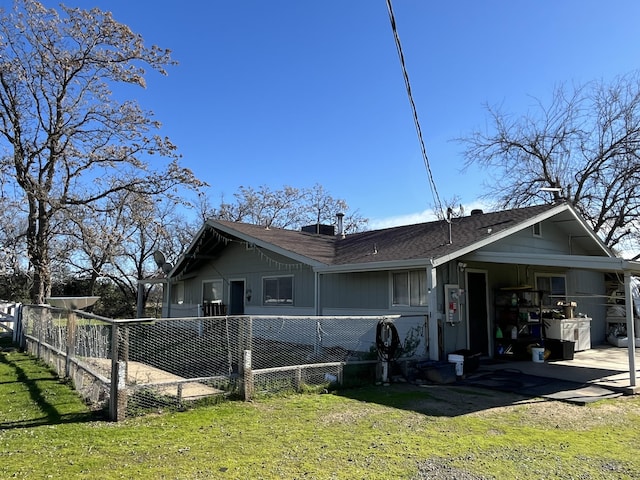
(477, 304)
(236, 300)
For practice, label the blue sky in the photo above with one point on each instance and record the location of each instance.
(298, 92)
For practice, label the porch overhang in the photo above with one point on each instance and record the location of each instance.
(603, 264)
(585, 262)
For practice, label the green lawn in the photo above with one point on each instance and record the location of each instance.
(400, 431)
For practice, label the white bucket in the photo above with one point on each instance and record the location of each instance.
(537, 354)
(454, 358)
(459, 361)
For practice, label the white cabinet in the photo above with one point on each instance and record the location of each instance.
(576, 330)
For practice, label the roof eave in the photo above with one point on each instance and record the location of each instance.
(373, 266)
(606, 250)
(266, 245)
(584, 262)
(181, 260)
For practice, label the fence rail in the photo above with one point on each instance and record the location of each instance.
(130, 367)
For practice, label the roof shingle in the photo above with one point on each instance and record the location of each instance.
(408, 242)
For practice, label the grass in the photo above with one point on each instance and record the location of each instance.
(46, 431)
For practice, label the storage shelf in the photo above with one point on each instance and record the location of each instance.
(517, 309)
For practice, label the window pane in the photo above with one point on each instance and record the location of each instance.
(557, 286)
(270, 290)
(553, 289)
(212, 291)
(286, 290)
(418, 288)
(401, 288)
(177, 293)
(558, 290)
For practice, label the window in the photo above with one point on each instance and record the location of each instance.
(537, 229)
(277, 291)
(553, 288)
(409, 288)
(177, 293)
(212, 291)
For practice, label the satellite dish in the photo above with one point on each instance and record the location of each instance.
(158, 256)
(166, 267)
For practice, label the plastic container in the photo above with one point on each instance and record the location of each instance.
(438, 372)
(459, 361)
(559, 349)
(471, 360)
(537, 354)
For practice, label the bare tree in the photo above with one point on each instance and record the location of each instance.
(118, 243)
(288, 207)
(264, 206)
(71, 142)
(14, 278)
(321, 208)
(582, 148)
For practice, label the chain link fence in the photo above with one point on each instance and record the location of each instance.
(132, 367)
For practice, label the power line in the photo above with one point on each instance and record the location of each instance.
(416, 121)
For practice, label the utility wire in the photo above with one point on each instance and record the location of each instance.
(432, 183)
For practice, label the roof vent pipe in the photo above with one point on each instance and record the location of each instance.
(339, 218)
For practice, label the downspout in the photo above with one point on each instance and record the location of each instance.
(316, 295)
(432, 307)
(631, 335)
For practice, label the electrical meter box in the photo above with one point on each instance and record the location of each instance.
(453, 299)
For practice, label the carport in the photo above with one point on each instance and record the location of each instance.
(596, 362)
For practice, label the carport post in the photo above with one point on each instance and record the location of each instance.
(631, 334)
(432, 302)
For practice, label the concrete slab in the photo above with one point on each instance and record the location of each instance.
(604, 366)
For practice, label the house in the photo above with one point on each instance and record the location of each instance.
(458, 276)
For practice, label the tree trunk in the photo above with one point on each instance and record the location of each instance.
(38, 250)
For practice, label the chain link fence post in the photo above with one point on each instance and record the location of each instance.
(118, 392)
(71, 342)
(247, 376)
(40, 328)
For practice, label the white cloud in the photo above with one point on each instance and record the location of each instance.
(418, 217)
(407, 219)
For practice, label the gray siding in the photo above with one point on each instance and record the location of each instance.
(552, 241)
(588, 290)
(367, 290)
(239, 263)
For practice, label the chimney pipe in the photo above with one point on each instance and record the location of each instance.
(340, 217)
